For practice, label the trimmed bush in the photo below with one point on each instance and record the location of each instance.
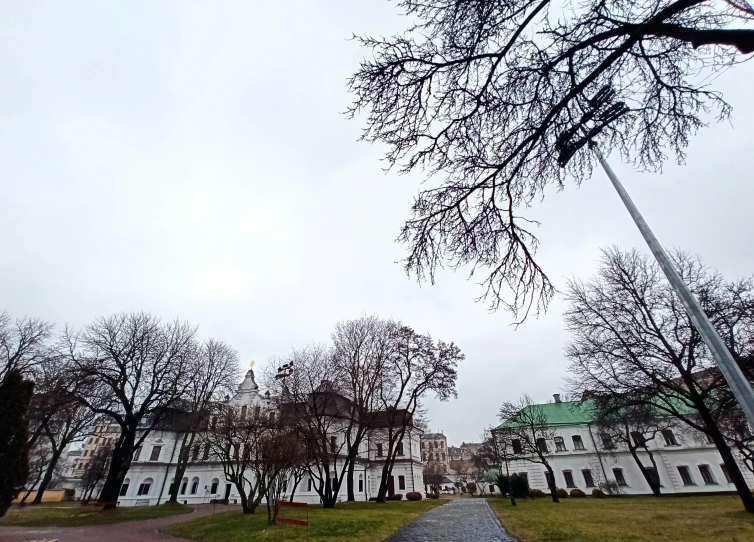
(536, 494)
(396, 497)
(577, 493)
(519, 486)
(561, 493)
(598, 494)
(433, 496)
(503, 483)
(413, 496)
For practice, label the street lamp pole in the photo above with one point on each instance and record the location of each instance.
(728, 366)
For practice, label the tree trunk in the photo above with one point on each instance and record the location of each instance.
(730, 462)
(180, 468)
(652, 485)
(119, 465)
(349, 482)
(48, 475)
(551, 483)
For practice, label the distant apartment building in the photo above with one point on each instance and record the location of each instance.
(104, 434)
(434, 447)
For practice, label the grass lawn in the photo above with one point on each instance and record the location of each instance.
(627, 519)
(73, 514)
(357, 521)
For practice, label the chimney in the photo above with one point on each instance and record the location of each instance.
(556, 396)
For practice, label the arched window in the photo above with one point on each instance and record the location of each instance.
(184, 485)
(213, 487)
(361, 483)
(145, 486)
(194, 485)
(124, 487)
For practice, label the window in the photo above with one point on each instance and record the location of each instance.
(195, 452)
(399, 448)
(424, 457)
(194, 486)
(619, 478)
(492, 489)
(184, 485)
(706, 474)
(524, 475)
(560, 444)
(155, 453)
(137, 453)
(401, 482)
(334, 442)
(144, 487)
(243, 411)
(726, 473)
(588, 479)
(669, 438)
(516, 446)
(361, 484)
(309, 485)
(205, 455)
(379, 449)
(442, 444)
(213, 487)
(638, 438)
(437, 457)
(568, 475)
(685, 476)
(542, 445)
(578, 444)
(256, 412)
(443, 456)
(607, 441)
(124, 487)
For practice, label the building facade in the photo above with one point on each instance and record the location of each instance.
(687, 462)
(152, 470)
(434, 447)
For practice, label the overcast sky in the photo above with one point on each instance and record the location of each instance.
(191, 159)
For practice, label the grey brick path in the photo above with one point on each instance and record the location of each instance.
(461, 520)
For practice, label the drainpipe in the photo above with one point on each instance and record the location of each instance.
(599, 455)
(167, 470)
(411, 459)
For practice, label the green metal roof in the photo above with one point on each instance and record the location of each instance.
(566, 412)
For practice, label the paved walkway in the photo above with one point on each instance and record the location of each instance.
(132, 531)
(462, 520)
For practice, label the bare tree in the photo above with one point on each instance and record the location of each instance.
(234, 439)
(361, 350)
(434, 474)
(23, 344)
(529, 429)
(631, 427)
(417, 367)
(317, 404)
(132, 368)
(280, 454)
(95, 472)
(632, 338)
(497, 448)
(469, 92)
(214, 371)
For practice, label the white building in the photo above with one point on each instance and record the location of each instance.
(686, 461)
(153, 467)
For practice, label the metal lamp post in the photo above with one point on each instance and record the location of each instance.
(603, 113)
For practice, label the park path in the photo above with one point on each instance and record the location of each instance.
(461, 520)
(131, 531)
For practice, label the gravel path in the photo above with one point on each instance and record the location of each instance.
(132, 531)
(466, 520)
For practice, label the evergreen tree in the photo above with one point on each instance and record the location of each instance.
(15, 396)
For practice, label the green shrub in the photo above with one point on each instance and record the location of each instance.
(577, 493)
(536, 494)
(561, 493)
(519, 486)
(413, 496)
(598, 494)
(471, 487)
(433, 495)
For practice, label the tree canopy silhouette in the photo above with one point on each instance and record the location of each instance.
(481, 91)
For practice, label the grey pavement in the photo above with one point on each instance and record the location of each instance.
(461, 520)
(132, 531)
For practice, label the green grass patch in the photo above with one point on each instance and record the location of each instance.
(627, 519)
(357, 521)
(73, 514)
